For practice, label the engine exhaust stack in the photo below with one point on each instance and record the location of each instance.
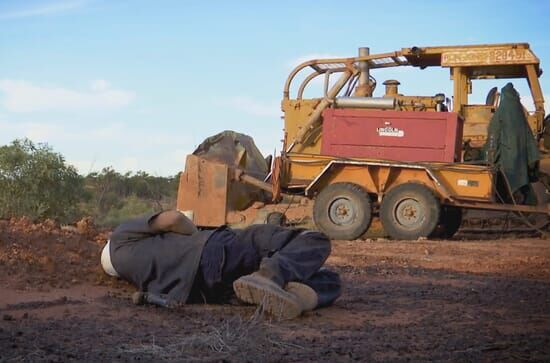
(363, 88)
(391, 88)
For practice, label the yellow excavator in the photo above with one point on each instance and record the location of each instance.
(415, 162)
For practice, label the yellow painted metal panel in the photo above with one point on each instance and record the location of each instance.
(296, 115)
(461, 181)
(202, 185)
(468, 184)
(489, 56)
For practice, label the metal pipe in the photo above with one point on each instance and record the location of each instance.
(313, 62)
(305, 83)
(241, 176)
(245, 178)
(385, 103)
(326, 83)
(316, 114)
(364, 68)
(316, 62)
(543, 209)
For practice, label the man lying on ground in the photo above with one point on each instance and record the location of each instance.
(168, 259)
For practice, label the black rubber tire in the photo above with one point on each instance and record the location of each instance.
(343, 211)
(449, 222)
(417, 199)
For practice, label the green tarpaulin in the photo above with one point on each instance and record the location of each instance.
(510, 142)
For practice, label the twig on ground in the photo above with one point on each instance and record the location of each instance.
(235, 338)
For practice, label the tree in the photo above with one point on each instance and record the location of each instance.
(36, 182)
(115, 197)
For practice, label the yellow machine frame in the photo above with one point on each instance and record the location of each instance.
(466, 63)
(303, 172)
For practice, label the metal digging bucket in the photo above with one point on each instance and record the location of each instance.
(206, 186)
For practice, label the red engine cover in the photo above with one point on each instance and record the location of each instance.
(392, 135)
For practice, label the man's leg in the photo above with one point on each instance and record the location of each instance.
(327, 285)
(299, 259)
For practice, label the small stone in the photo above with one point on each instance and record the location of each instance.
(7, 317)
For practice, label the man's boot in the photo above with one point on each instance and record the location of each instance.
(306, 295)
(259, 290)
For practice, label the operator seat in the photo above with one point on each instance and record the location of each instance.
(492, 97)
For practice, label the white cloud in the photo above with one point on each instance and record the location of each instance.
(43, 132)
(122, 146)
(51, 8)
(24, 96)
(121, 134)
(99, 85)
(254, 107)
(128, 163)
(160, 163)
(53, 132)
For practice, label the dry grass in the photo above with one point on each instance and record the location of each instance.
(235, 339)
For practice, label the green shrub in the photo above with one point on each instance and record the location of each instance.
(37, 183)
(115, 197)
(130, 207)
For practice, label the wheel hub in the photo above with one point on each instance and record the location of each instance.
(341, 211)
(409, 212)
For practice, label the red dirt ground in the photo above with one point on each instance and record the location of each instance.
(454, 300)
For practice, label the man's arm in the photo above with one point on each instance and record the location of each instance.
(172, 221)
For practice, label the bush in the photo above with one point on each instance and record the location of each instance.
(130, 207)
(115, 197)
(37, 183)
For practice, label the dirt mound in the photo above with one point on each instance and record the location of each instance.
(45, 255)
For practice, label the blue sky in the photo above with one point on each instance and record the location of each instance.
(137, 85)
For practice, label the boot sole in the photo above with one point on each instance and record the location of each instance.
(307, 296)
(272, 299)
